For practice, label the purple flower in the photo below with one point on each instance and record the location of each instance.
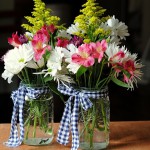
(23, 39)
(77, 41)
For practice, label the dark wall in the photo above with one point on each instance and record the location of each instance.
(125, 104)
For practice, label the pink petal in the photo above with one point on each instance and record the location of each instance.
(76, 58)
(88, 62)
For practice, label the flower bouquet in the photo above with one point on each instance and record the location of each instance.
(94, 57)
(36, 58)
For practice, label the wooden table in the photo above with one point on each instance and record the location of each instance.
(128, 135)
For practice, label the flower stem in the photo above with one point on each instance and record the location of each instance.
(20, 77)
(85, 79)
(100, 73)
(103, 115)
(27, 76)
(27, 130)
(89, 80)
(106, 80)
(34, 128)
(93, 124)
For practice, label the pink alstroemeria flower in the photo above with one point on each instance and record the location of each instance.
(116, 61)
(118, 57)
(98, 49)
(51, 28)
(130, 68)
(83, 57)
(39, 49)
(61, 42)
(14, 41)
(39, 43)
(42, 35)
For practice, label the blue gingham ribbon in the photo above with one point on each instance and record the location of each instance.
(70, 116)
(18, 98)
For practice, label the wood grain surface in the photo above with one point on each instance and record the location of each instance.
(124, 135)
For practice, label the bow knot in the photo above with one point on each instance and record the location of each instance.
(81, 94)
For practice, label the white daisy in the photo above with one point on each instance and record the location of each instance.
(117, 28)
(74, 28)
(55, 60)
(69, 51)
(64, 34)
(16, 59)
(114, 39)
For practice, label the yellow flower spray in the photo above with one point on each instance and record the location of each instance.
(89, 22)
(40, 16)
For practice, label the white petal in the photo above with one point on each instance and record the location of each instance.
(35, 65)
(7, 76)
(16, 59)
(73, 67)
(55, 60)
(64, 34)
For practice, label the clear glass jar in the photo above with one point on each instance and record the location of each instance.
(38, 120)
(94, 124)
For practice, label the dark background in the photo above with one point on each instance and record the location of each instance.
(124, 104)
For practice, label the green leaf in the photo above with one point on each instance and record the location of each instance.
(53, 87)
(81, 70)
(48, 78)
(126, 73)
(119, 82)
(47, 54)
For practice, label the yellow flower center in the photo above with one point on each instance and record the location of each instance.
(84, 54)
(21, 60)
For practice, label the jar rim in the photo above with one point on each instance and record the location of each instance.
(105, 88)
(34, 85)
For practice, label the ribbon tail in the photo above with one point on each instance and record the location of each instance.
(18, 100)
(63, 133)
(13, 140)
(21, 121)
(74, 125)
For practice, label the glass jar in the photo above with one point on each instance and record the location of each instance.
(94, 123)
(38, 119)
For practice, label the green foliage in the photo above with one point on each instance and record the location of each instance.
(40, 16)
(81, 71)
(53, 87)
(119, 82)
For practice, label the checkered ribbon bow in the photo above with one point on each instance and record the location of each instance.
(18, 98)
(70, 116)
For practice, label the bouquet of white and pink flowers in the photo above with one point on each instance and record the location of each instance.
(95, 55)
(36, 53)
